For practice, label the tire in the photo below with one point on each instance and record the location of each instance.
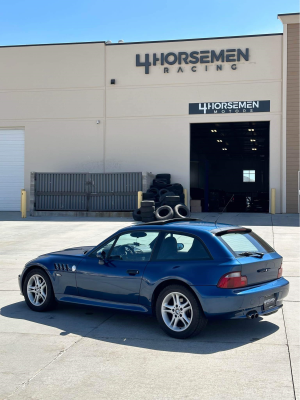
(153, 190)
(166, 177)
(148, 196)
(31, 279)
(177, 188)
(152, 215)
(148, 219)
(157, 204)
(159, 183)
(136, 214)
(147, 203)
(181, 211)
(171, 201)
(163, 196)
(163, 191)
(147, 209)
(163, 213)
(195, 319)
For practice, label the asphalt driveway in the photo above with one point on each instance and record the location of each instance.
(87, 353)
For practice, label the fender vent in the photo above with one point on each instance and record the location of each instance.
(62, 267)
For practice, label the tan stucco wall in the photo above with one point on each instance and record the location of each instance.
(57, 93)
(292, 124)
(149, 113)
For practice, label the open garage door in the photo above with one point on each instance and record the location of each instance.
(11, 169)
(230, 159)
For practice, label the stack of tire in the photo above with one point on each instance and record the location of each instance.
(162, 201)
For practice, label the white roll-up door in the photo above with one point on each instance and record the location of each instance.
(11, 168)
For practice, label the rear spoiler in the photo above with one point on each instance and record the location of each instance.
(224, 231)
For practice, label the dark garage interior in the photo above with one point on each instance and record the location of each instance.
(230, 159)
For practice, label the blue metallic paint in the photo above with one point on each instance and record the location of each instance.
(110, 286)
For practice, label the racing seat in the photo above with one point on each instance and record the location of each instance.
(197, 251)
(168, 249)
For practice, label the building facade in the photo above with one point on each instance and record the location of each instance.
(208, 111)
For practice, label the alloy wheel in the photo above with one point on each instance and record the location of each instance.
(37, 290)
(177, 311)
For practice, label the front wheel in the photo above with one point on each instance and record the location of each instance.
(178, 312)
(38, 291)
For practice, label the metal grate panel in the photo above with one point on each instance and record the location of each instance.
(87, 191)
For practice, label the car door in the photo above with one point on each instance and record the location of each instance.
(118, 279)
(177, 256)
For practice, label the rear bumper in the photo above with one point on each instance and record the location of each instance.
(236, 303)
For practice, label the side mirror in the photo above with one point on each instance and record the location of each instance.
(180, 246)
(101, 258)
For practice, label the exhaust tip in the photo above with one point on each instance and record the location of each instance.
(252, 314)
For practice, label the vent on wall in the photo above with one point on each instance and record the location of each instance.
(62, 267)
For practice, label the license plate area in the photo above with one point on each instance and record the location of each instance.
(269, 302)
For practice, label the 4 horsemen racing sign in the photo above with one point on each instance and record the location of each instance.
(230, 107)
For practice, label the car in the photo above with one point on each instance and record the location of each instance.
(183, 271)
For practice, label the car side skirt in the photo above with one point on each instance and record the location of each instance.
(102, 303)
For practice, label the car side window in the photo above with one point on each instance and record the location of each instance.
(134, 246)
(181, 247)
(103, 250)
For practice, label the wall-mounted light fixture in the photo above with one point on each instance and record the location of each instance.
(112, 81)
(98, 121)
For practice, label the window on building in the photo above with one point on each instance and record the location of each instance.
(249, 175)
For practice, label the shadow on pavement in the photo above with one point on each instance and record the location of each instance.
(137, 330)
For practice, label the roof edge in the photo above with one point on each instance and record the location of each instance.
(145, 42)
(292, 18)
(281, 15)
(191, 40)
(51, 44)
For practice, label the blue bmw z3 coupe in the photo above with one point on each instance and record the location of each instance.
(185, 272)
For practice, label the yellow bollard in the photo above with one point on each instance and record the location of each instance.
(185, 197)
(273, 201)
(140, 198)
(23, 203)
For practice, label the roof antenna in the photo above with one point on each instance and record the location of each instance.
(223, 210)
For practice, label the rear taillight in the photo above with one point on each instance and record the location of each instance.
(232, 280)
(279, 275)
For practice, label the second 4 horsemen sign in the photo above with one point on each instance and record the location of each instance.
(224, 107)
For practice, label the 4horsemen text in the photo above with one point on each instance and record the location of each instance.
(194, 57)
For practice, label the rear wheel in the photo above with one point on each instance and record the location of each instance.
(178, 312)
(38, 291)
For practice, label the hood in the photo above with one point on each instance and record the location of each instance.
(74, 251)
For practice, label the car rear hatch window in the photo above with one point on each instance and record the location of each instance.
(255, 255)
(241, 242)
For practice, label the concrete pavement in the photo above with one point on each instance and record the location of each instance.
(88, 353)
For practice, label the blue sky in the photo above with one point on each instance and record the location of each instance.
(56, 21)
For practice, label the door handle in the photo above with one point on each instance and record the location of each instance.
(133, 272)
